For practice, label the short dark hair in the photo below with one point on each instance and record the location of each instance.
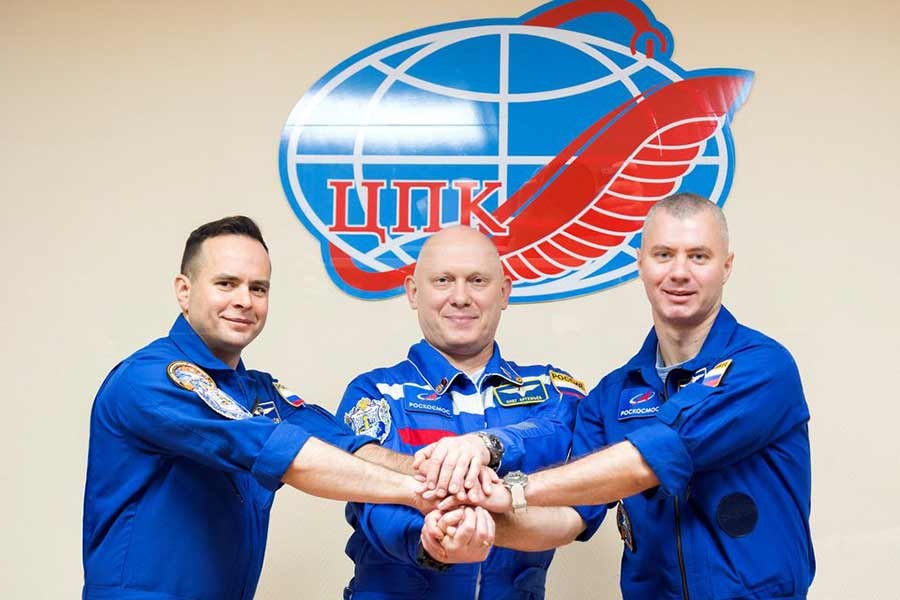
(236, 225)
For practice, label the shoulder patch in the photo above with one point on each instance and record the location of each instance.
(194, 379)
(286, 394)
(715, 375)
(530, 391)
(566, 384)
(188, 375)
(370, 417)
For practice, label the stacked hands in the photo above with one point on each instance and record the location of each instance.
(461, 492)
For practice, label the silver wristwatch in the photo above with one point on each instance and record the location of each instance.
(515, 482)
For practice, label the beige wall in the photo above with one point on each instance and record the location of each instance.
(125, 124)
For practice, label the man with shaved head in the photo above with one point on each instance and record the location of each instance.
(700, 441)
(464, 408)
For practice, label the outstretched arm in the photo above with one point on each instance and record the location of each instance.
(325, 471)
(395, 461)
(613, 473)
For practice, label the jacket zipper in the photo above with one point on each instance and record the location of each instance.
(684, 588)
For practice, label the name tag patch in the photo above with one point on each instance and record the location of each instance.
(531, 391)
(638, 402)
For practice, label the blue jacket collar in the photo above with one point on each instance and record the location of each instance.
(716, 340)
(440, 374)
(195, 349)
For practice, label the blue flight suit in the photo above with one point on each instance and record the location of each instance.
(178, 496)
(423, 399)
(726, 435)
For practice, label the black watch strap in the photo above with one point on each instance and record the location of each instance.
(494, 447)
(425, 560)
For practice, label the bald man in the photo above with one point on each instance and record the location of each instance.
(464, 407)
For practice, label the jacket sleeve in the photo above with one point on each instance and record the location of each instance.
(315, 419)
(324, 426)
(545, 437)
(758, 400)
(391, 529)
(163, 418)
(590, 436)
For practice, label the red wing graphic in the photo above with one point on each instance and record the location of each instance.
(597, 192)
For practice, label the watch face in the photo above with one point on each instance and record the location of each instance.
(515, 478)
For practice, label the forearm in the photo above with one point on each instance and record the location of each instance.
(613, 473)
(325, 471)
(539, 528)
(395, 461)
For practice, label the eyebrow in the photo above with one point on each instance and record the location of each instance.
(229, 277)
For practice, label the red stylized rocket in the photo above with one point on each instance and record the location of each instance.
(597, 192)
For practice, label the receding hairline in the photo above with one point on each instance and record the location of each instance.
(686, 204)
(198, 257)
(232, 225)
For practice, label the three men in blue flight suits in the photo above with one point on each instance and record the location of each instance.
(702, 438)
(455, 397)
(187, 445)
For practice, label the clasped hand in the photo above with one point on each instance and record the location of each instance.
(454, 470)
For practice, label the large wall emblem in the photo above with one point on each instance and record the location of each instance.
(554, 133)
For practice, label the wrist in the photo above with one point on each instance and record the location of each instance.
(516, 482)
(493, 449)
(425, 560)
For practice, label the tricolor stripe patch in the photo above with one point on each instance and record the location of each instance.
(566, 384)
(714, 376)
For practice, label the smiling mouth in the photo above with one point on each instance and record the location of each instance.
(238, 321)
(678, 294)
(460, 318)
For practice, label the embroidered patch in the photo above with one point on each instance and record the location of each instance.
(623, 521)
(188, 375)
(287, 395)
(192, 378)
(429, 402)
(565, 383)
(370, 417)
(266, 409)
(715, 375)
(531, 391)
(638, 402)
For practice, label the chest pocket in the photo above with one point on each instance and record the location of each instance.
(247, 490)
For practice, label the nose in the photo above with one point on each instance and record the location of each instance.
(240, 297)
(679, 269)
(460, 295)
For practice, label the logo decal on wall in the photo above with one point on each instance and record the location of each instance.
(554, 133)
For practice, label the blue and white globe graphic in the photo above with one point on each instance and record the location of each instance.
(477, 101)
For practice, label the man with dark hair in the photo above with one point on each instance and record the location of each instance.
(702, 438)
(187, 446)
(236, 225)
